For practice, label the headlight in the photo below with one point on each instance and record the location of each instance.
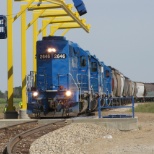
(35, 93)
(51, 50)
(68, 93)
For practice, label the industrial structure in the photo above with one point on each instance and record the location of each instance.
(54, 13)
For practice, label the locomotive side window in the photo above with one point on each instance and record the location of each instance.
(72, 51)
(73, 57)
(93, 66)
(82, 61)
(75, 62)
(107, 73)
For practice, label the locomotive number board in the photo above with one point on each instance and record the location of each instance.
(55, 56)
(59, 56)
(45, 56)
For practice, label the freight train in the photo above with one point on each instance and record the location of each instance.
(69, 80)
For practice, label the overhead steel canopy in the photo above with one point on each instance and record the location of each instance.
(60, 11)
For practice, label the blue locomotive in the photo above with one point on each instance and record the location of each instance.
(68, 80)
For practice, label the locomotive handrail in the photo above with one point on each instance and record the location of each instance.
(71, 77)
(74, 80)
(79, 83)
(78, 78)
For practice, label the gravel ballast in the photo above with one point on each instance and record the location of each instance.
(89, 138)
(71, 139)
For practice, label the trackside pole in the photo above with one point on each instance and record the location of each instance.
(99, 108)
(133, 106)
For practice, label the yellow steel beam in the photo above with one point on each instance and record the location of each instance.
(69, 25)
(53, 13)
(53, 29)
(62, 20)
(24, 9)
(10, 54)
(66, 12)
(44, 6)
(53, 1)
(45, 25)
(75, 17)
(34, 19)
(44, 32)
(23, 57)
(65, 31)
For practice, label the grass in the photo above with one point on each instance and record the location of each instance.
(145, 108)
(3, 102)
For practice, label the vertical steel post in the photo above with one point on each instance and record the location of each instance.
(10, 54)
(23, 57)
(133, 106)
(35, 31)
(99, 108)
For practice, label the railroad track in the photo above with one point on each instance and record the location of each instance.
(6, 133)
(20, 144)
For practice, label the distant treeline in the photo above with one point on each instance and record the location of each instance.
(16, 93)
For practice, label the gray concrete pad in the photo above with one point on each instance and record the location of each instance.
(23, 114)
(124, 124)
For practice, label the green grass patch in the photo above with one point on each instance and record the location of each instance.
(3, 102)
(148, 108)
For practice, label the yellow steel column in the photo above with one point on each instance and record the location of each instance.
(10, 54)
(44, 32)
(35, 31)
(23, 58)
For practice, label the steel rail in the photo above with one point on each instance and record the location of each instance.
(29, 132)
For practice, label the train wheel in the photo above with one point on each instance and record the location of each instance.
(102, 102)
(94, 104)
(84, 105)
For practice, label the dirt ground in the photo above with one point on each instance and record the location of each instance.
(139, 141)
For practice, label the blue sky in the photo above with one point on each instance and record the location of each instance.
(121, 35)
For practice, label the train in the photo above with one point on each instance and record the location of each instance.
(69, 81)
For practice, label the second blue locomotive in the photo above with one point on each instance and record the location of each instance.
(68, 80)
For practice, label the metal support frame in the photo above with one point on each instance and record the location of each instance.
(112, 107)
